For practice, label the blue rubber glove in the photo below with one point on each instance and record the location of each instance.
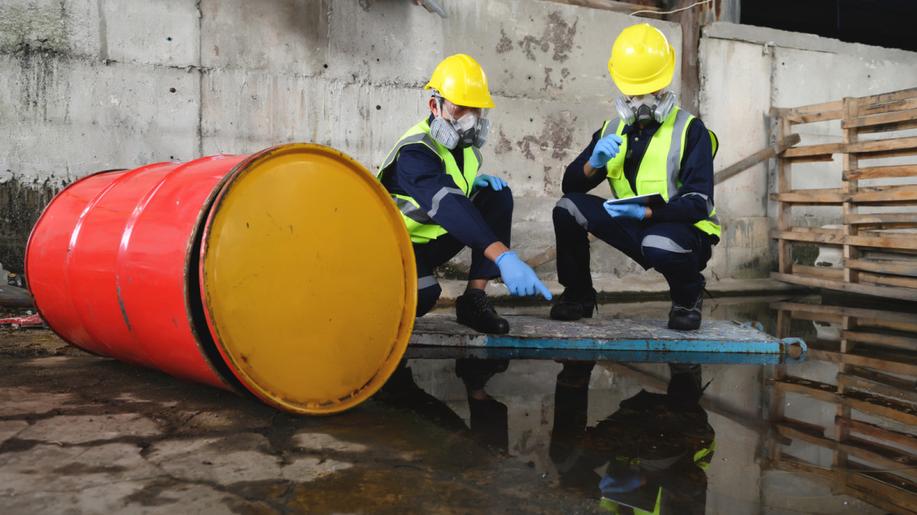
(634, 211)
(495, 183)
(621, 482)
(518, 277)
(605, 150)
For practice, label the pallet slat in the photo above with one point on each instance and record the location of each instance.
(892, 367)
(884, 242)
(859, 313)
(825, 272)
(888, 280)
(881, 172)
(833, 110)
(872, 385)
(824, 149)
(887, 487)
(876, 453)
(898, 220)
(883, 340)
(811, 196)
(885, 266)
(881, 119)
(873, 195)
(825, 236)
(883, 148)
(872, 430)
(865, 403)
(886, 194)
(864, 289)
(885, 102)
(826, 475)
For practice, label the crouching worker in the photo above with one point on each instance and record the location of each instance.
(652, 147)
(432, 175)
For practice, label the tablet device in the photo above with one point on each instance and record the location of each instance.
(652, 199)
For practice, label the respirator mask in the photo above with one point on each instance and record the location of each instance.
(468, 130)
(643, 108)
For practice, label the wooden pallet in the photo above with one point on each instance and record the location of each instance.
(876, 354)
(878, 231)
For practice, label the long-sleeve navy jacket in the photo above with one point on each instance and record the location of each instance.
(420, 174)
(694, 198)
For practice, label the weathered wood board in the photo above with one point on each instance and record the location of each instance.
(599, 338)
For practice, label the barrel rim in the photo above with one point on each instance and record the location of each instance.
(197, 323)
(406, 324)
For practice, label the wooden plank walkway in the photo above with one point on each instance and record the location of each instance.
(619, 339)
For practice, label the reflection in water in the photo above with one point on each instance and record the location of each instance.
(834, 434)
(863, 364)
(650, 455)
(652, 452)
(488, 415)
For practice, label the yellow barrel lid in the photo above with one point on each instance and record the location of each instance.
(308, 279)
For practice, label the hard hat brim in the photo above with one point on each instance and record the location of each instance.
(487, 103)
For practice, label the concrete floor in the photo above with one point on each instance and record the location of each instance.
(81, 434)
(84, 434)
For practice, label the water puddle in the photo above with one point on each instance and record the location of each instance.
(832, 434)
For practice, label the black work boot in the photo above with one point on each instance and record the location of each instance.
(474, 309)
(571, 305)
(687, 318)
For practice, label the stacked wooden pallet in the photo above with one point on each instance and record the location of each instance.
(874, 448)
(878, 227)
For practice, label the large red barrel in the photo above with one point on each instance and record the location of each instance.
(287, 273)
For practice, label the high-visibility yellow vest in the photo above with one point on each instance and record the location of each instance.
(701, 458)
(419, 223)
(659, 169)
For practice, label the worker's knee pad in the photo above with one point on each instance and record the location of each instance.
(427, 297)
(662, 252)
(566, 211)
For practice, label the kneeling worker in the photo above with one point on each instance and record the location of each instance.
(652, 147)
(432, 175)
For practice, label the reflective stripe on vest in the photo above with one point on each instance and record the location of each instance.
(661, 165)
(419, 223)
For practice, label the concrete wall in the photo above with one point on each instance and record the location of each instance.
(96, 84)
(747, 70)
(87, 85)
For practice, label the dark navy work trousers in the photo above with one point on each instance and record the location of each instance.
(679, 251)
(496, 207)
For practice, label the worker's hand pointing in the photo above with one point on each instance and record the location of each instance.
(519, 277)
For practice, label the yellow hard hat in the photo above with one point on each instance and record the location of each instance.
(642, 60)
(461, 80)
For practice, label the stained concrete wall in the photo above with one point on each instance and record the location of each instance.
(747, 70)
(87, 85)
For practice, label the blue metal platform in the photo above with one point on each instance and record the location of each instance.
(616, 339)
